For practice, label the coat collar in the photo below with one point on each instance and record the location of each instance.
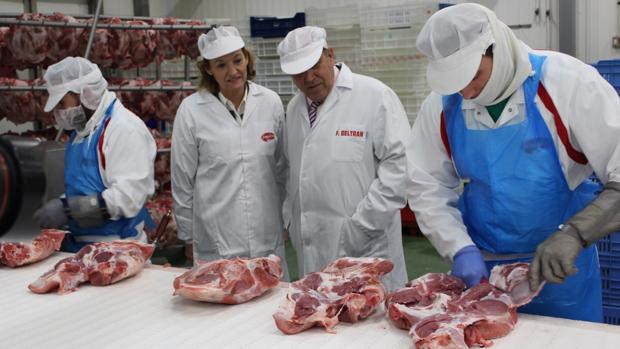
(206, 97)
(212, 101)
(343, 82)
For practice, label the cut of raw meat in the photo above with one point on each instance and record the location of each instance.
(110, 46)
(161, 105)
(438, 314)
(142, 45)
(29, 43)
(348, 289)
(422, 297)
(166, 46)
(15, 254)
(229, 281)
(18, 107)
(63, 42)
(188, 40)
(101, 263)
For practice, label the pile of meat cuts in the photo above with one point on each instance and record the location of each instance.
(28, 46)
(348, 289)
(15, 254)
(438, 314)
(229, 281)
(100, 263)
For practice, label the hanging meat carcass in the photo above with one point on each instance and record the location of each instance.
(63, 41)
(29, 43)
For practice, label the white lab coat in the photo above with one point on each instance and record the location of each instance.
(228, 177)
(129, 150)
(588, 106)
(346, 184)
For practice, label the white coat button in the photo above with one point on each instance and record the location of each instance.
(510, 110)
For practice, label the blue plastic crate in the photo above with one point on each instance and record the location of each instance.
(611, 315)
(611, 298)
(274, 27)
(610, 71)
(610, 268)
(609, 246)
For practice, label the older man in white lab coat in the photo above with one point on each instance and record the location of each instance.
(345, 142)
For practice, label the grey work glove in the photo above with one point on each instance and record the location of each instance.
(51, 215)
(88, 211)
(555, 257)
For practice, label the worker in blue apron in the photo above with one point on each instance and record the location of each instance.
(489, 132)
(108, 166)
(503, 215)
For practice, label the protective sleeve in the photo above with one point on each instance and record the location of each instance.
(432, 182)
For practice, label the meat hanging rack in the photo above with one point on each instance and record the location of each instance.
(111, 88)
(122, 26)
(9, 19)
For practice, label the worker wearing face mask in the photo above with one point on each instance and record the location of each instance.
(523, 130)
(108, 160)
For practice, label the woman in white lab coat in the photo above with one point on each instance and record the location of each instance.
(228, 173)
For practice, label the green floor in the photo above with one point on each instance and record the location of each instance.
(420, 257)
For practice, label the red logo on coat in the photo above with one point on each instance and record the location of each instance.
(350, 133)
(268, 136)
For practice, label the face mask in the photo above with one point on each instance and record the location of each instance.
(70, 118)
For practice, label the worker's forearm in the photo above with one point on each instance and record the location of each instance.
(599, 218)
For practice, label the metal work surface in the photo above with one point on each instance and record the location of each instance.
(141, 312)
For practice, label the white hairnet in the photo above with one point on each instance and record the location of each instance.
(455, 39)
(301, 49)
(219, 41)
(77, 75)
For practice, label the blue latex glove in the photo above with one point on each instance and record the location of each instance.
(469, 265)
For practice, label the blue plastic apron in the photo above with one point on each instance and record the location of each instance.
(517, 196)
(82, 177)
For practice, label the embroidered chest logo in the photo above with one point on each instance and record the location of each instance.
(268, 136)
(350, 133)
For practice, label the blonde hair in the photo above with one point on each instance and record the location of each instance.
(208, 82)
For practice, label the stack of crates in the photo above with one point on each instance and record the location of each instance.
(609, 247)
(609, 258)
(342, 25)
(267, 33)
(388, 37)
(268, 71)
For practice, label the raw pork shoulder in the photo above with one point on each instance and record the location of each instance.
(229, 281)
(101, 263)
(439, 315)
(348, 289)
(15, 254)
